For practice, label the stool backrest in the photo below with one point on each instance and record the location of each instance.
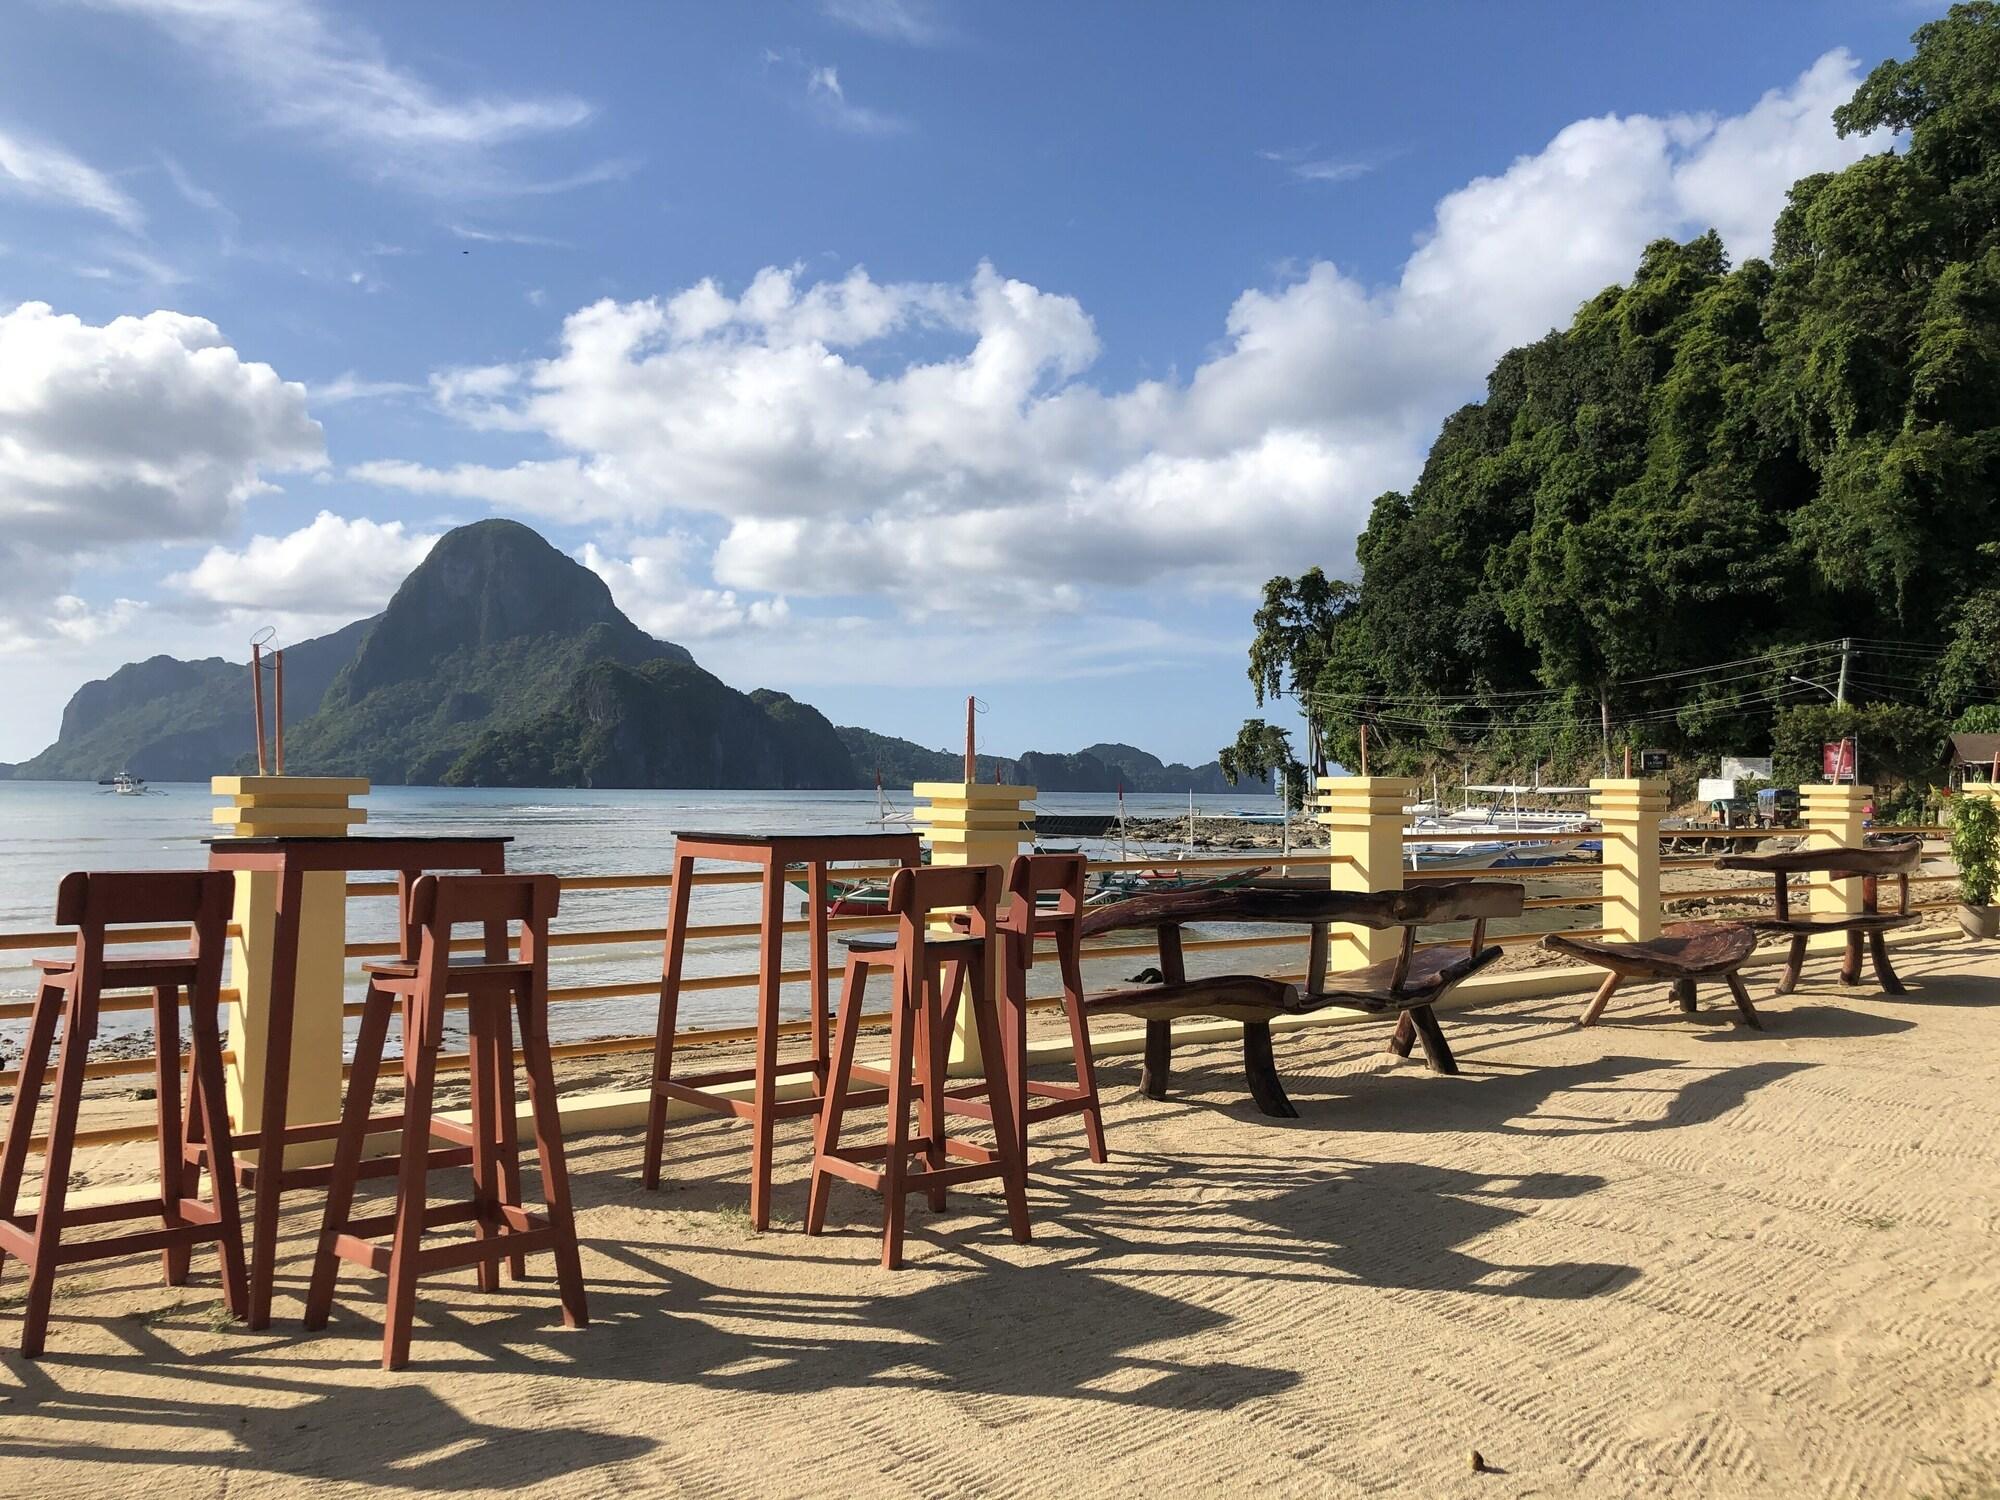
(915, 893)
(93, 901)
(440, 903)
(1030, 877)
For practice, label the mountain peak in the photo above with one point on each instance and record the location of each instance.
(485, 585)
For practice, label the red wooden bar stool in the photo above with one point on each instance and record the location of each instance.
(502, 1229)
(74, 986)
(927, 971)
(1026, 918)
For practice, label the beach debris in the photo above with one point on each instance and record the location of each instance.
(1479, 1463)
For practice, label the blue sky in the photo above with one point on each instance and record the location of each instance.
(877, 350)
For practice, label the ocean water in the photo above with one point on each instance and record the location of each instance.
(50, 828)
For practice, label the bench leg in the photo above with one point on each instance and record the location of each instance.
(1262, 1071)
(1794, 961)
(1404, 1037)
(1437, 1052)
(1878, 950)
(1159, 1066)
(1684, 996)
(1598, 1001)
(1743, 1006)
(1850, 963)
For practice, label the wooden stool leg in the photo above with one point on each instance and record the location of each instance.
(763, 1124)
(1437, 1051)
(1079, 1046)
(1742, 997)
(1878, 950)
(896, 1161)
(268, 1192)
(193, 1142)
(939, 1000)
(1794, 962)
(1006, 1144)
(485, 1152)
(663, 1035)
(1158, 1069)
(544, 1108)
(508, 1127)
(1684, 996)
(27, 1098)
(79, 1025)
(412, 1179)
(1850, 962)
(1261, 1069)
(840, 1074)
(208, 1093)
(1404, 1037)
(348, 1145)
(1595, 1006)
(169, 1124)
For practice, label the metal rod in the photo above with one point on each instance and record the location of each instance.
(257, 698)
(278, 684)
(971, 758)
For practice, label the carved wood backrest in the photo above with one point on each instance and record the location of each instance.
(1902, 858)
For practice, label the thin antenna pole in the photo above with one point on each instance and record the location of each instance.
(278, 673)
(971, 758)
(257, 698)
(1628, 762)
(1364, 749)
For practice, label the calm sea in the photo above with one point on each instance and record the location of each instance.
(50, 828)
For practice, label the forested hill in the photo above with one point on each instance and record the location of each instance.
(1659, 512)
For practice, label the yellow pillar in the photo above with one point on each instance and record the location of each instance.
(303, 806)
(1629, 810)
(973, 824)
(1832, 816)
(1364, 818)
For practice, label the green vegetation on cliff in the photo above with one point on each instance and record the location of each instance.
(1710, 465)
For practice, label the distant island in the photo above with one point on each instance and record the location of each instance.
(500, 661)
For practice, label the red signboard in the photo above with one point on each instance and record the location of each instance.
(1837, 760)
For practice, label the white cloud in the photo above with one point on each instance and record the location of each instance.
(915, 22)
(652, 584)
(507, 237)
(143, 430)
(938, 444)
(332, 570)
(1307, 165)
(36, 169)
(330, 81)
(351, 387)
(822, 95)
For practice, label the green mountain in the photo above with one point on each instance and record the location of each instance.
(169, 720)
(1095, 768)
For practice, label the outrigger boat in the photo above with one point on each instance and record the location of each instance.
(125, 784)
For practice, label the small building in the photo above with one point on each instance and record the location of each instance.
(1973, 757)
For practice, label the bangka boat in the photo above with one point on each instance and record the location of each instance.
(125, 784)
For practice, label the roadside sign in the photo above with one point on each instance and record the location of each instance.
(1836, 759)
(1652, 762)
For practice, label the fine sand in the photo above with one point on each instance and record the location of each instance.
(1668, 1256)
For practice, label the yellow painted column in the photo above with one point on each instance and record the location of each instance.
(301, 806)
(1629, 810)
(1832, 816)
(968, 823)
(1364, 819)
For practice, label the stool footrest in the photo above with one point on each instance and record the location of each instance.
(197, 1224)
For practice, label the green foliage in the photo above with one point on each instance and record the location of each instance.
(1261, 750)
(1710, 463)
(1974, 824)
(1981, 718)
(1895, 742)
(1289, 654)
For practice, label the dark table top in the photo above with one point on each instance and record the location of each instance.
(782, 840)
(282, 840)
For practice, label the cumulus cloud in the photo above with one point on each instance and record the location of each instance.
(331, 81)
(653, 584)
(36, 169)
(333, 569)
(147, 429)
(843, 457)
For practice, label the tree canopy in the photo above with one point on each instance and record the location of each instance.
(1660, 515)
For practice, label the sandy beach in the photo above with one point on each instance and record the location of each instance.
(1668, 1256)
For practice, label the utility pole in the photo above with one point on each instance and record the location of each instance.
(1604, 722)
(1840, 691)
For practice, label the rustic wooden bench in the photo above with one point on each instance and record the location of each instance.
(1409, 984)
(1900, 860)
(1683, 953)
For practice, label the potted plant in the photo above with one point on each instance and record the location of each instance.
(1975, 829)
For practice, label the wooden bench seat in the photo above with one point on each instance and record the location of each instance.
(1683, 953)
(1408, 984)
(1899, 860)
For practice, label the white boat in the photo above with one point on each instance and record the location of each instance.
(1502, 816)
(125, 784)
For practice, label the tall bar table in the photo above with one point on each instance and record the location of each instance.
(773, 854)
(291, 859)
